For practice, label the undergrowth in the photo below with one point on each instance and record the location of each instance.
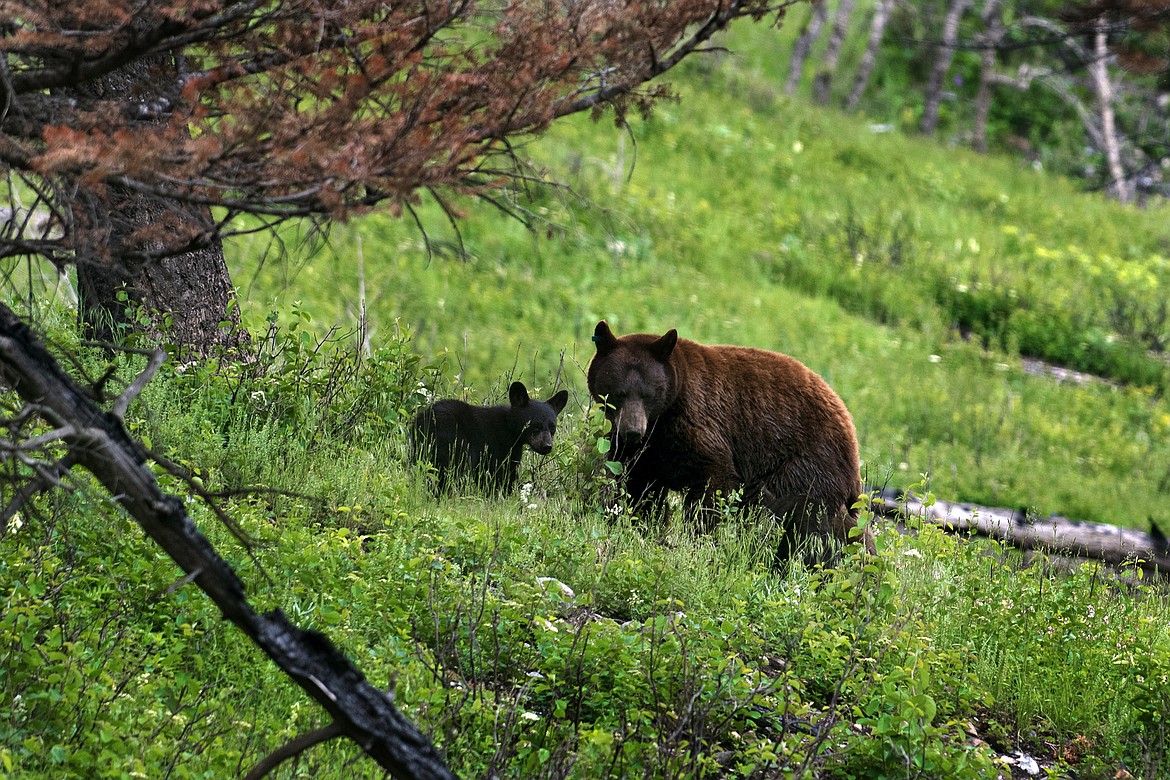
(547, 633)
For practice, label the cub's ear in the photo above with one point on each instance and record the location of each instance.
(558, 401)
(518, 395)
(603, 337)
(662, 348)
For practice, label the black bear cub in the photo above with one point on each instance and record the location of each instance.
(484, 443)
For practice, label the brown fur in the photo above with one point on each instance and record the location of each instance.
(705, 419)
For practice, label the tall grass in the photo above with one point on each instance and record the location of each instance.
(547, 633)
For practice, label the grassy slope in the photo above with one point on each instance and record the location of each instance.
(720, 216)
(674, 656)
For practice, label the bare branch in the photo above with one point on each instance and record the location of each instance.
(157, 358)
(100, 444)
(48, 477)
(293, 748)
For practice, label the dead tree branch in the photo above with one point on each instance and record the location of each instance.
(293, 747)
(98, 441)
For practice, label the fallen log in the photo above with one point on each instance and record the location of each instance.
(1053, 534)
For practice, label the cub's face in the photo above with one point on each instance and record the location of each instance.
(538, 419)
(632, 376)
(540, 425)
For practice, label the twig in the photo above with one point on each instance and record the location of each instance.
(292, 748)
(365, 714)
(157, 358)
(46, 479)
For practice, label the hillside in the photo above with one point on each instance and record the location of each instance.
(912, 276)
(552, 633)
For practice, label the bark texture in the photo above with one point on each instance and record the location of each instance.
(1103, 90)
(990, 39)
(1054, 534)
(823, 82)
(802, 47)
(130, 247)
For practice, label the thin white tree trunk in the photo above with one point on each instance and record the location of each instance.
(877, 31)
(1103, 90)
(804, 44)
(823, 83)
(990, 39)
(942, 63)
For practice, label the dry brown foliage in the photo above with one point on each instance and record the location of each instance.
(286, 108)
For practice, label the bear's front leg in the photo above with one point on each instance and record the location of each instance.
(648, 497)
(721, 482)
(706, 508)
(807, 527)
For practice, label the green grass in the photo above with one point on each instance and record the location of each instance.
(670, 655)
(542, 634)
(752, 219)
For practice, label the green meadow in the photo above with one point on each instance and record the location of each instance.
(554, 634)
(912, 276)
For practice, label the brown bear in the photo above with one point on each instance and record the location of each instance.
(484, 443)
(706, 419)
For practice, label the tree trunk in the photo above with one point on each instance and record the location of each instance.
(823, 83)
(1103, 91)
(942, 63)
(145, 264)
(990, 39)
(877, 30)
(804, 44)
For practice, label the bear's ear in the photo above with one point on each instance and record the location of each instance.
(603, 337)
(558, 401)
(662, 348)
(518, 395)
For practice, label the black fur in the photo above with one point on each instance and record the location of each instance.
(484, 443)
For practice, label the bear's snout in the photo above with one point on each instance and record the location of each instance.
(541, 444)
(631, 421)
